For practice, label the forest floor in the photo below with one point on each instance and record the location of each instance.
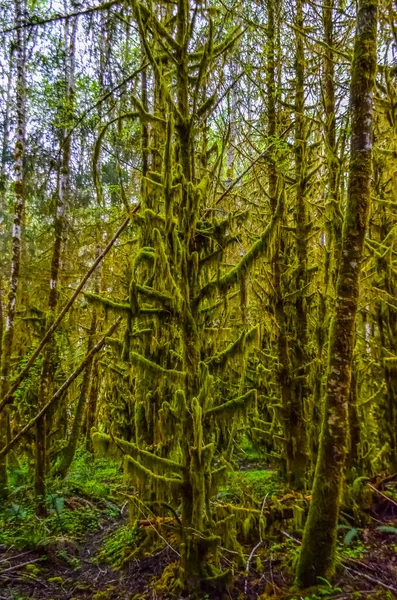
(86, 549)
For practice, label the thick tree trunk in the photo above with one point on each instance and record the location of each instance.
(319, 539)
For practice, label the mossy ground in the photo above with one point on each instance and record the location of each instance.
(86, 549)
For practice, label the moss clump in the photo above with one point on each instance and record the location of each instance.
(120, 545)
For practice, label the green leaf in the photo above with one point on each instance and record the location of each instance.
(350, 535)
(59, 505)
(387, 529)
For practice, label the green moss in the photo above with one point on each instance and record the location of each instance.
(231, 406)
(119, 545)
(173, 374)
(116, 306)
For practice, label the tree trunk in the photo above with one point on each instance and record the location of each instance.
(92, 405)
(19, 206)
(319, 539)
(70, 450)
(295, 425)
(44, 424)
(6, 129)
(331, 238)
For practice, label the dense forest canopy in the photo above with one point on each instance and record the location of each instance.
(198, 311)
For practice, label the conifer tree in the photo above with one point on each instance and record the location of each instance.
(184, 286)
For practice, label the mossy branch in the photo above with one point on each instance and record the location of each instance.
(116, 306)
(222, 47)
(232, 405)
(235, 348)
(155, 25)
(132, 465)
(233, 277)
(155, 368)
(166, 301)
(102, 440)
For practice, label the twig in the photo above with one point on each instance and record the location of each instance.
(290, 537)
(15, 567)
(378, 581)
(62, 389)
(47, 336)
(382, 494)
(259, 544)
(3, 560)
(60, 17)
(271, 573)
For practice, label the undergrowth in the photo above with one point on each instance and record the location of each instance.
(75, 505)
(249, 487)
(119, 545)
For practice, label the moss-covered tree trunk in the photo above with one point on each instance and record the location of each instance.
(319, 539)
(331, 238)
(284, 371)
(70, 449)
(19, 203)
(43, 425)
(296, 446)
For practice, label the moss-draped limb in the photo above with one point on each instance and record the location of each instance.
(233, 277)
(155, 368)
(155, 24)
(103, 442)
(106, 302)
(223, 46)
(234, 349)
(134, 467)
(231, 406)
(165, 300)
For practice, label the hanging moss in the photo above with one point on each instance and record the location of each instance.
(133, 468)
(144, 255)
(149, 218)
(165, 272)
(103, 442)
(233, 277)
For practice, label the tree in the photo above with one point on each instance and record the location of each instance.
(19, 206)
(317, 557)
